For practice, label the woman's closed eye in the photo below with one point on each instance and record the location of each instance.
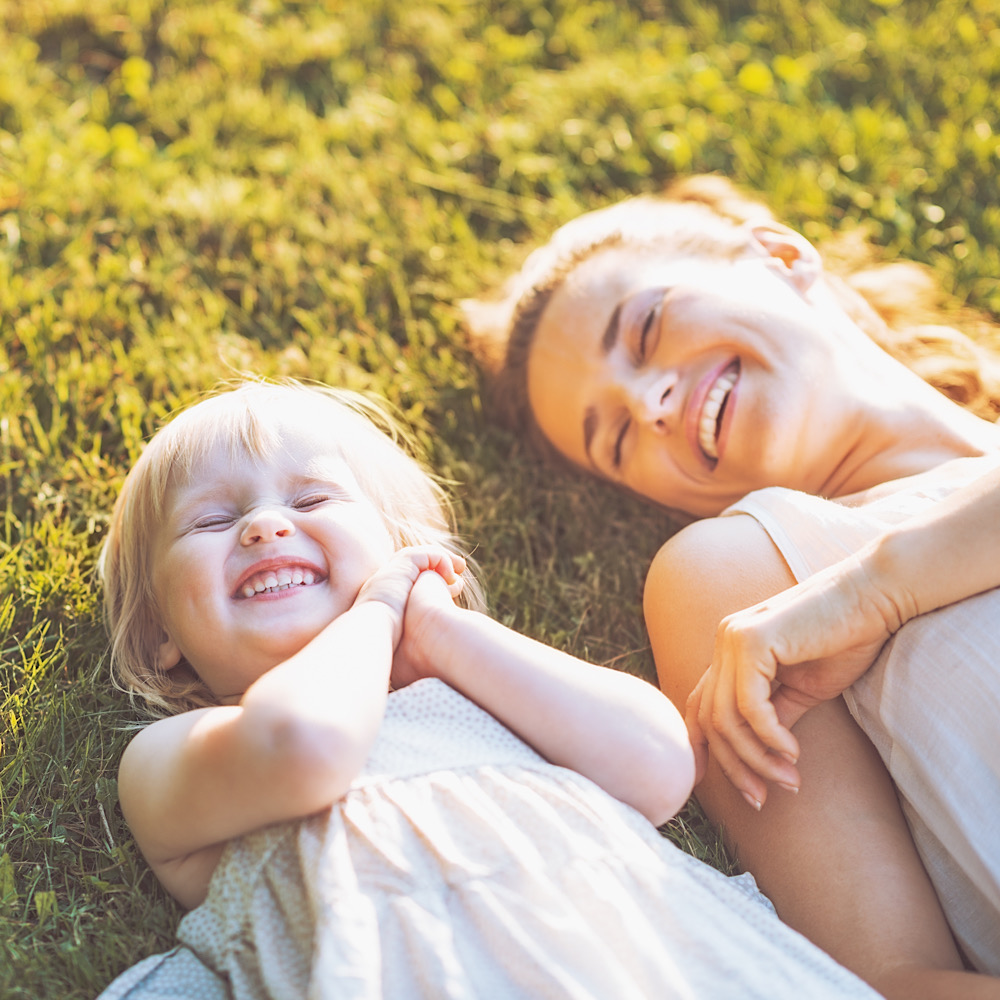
(646, 339)
(616, 453)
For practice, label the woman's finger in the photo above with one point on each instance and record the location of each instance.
(732, 726)
(749, 784)
(699, 741)
(711, 718)
(755, 704)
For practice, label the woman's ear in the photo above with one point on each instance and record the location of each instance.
(168, 653)
(797, 258)
(488, 323)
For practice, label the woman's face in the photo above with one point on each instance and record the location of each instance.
(690, 380)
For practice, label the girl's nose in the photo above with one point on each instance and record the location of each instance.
(654, 402)
(265, 526)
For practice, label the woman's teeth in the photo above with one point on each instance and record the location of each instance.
(708, 428)
(273, 581)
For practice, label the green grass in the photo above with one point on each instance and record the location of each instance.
(201, 187)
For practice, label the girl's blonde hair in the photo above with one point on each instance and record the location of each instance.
(898, 305)
(240, 419)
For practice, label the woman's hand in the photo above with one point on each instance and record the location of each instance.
(774, 661)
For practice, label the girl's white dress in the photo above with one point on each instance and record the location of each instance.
(930, 703)
(463, 865)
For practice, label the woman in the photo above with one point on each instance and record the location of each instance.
(693, 350)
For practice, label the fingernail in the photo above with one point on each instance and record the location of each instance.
(794, 789)
(787, 756)
(751, 801)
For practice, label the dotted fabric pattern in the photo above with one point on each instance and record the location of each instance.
(462, 865)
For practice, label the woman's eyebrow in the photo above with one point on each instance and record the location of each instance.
(608, 340)
(589, 430)
(610, 336)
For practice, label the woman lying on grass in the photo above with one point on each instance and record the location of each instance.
(695, 351)
(364, 788)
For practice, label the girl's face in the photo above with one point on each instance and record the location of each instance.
(256, 556)
(692, 381)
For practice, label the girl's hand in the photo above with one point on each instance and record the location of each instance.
(418, 653)
(773, 662)
(393, 584)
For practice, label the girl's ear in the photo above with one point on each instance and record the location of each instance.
(168, 654)
(792, 253)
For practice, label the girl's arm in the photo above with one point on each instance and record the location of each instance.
(611, 727)
(774, 661)
(291, 747)
(837, 858)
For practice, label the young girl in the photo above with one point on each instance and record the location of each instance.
(368, 790)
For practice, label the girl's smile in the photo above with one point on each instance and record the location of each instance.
(247, 572)
(276, 577)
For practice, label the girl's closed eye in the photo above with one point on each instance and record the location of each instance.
(320, 497)
(213, 522)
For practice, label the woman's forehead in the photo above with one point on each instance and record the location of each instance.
(616, 271)
(639, 218)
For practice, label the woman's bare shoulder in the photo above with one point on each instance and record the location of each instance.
(728, 552)
(706, 571)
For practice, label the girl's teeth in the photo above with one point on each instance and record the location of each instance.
(282, 579)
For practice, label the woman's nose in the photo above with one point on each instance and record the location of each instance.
(266, 525)
(654, 402)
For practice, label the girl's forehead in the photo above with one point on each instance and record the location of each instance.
(303, 448)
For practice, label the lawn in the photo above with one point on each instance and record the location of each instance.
(197, 188)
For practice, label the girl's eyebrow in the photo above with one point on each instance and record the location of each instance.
(186, 498)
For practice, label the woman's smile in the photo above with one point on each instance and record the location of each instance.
(716, 405)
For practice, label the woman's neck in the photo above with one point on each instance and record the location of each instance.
(911, 430)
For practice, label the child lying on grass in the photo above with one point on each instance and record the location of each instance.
(363, 786)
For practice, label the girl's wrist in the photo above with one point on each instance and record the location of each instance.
(440, 651)
(383, 615)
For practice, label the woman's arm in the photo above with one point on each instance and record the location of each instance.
(291, 747)
(611, 727)
(837, 858)
(774, 661)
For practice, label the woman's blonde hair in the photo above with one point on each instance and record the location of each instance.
(898, 305)
(241, 419)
